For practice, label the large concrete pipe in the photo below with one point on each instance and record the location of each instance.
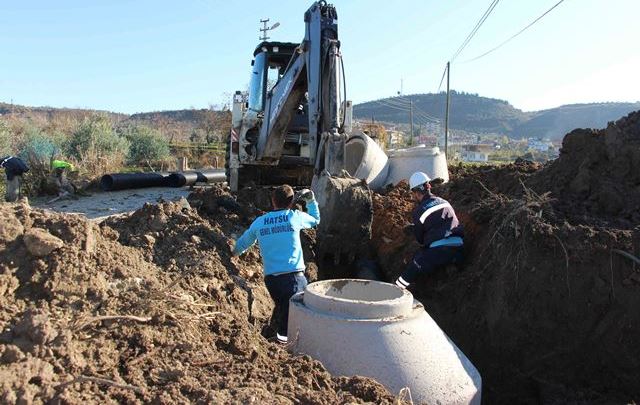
(375, 329)
(366, 160)
(404, 162)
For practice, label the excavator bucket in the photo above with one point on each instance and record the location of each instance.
(346, 213)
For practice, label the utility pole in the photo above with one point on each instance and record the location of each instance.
(411, 118)
(446, 117)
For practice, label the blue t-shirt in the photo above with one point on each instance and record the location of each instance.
(278, 234)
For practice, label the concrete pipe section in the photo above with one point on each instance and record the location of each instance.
(375, 329)
(404, 162)
(365, 160)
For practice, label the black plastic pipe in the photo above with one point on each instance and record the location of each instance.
(212, 176)
(181, 179)
(123, 181)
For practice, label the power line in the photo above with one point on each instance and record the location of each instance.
(515, 35)
(426, 116)
(424, 121)
(475, 29)
(397, 107)
(394, 102)
(392, 106)
(399, 103)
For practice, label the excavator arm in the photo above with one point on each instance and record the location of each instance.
(312, 76)
(310, 85)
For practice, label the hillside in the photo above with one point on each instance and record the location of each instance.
(556, 122)
(176, 125)
(476, 114)
(51, 114)
(468, 112)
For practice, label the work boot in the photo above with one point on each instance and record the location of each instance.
(283, 340)
(402, 283)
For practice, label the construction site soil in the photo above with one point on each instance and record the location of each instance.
(546, 305)
(151, 307)
(146, 308)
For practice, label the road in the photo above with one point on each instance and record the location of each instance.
(100, 205)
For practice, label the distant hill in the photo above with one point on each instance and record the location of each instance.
(177, 125)
(37, 113)
(469, 112)
(189, 116)
(476, 114)
(556, 122)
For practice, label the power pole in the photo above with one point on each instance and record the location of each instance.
(446, 117)
(411, 118)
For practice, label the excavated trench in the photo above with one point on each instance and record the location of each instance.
(545, 303)
(546, 306)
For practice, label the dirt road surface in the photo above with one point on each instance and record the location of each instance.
(100, 205)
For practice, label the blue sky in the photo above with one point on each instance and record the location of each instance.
(133, 56)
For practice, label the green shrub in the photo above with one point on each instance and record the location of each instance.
(96, 146)
(38, 147)
(146, 145)
(5, 139)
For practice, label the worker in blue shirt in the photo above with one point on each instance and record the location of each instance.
(278, 234)
(436, 228)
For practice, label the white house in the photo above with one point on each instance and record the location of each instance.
(476, 153)
(538, 144)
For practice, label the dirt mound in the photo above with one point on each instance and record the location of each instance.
(393, 242)
(546, 306)
(149, 308)
(598, 174)
(392, 210)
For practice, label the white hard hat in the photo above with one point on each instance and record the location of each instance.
(418, 179)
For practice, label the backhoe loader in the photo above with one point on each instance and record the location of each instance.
(292, 127)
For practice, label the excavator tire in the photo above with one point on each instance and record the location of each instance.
(346, 213)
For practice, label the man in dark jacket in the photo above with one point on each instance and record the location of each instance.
(435, 227)
(14, 168)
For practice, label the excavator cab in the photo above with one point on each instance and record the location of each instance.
(254, 111)
(270, 60)
(269, 65)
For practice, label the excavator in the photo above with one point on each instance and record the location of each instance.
(292, 127)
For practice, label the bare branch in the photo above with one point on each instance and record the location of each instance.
(114, 317)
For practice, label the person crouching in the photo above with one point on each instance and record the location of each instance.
(436, 228)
